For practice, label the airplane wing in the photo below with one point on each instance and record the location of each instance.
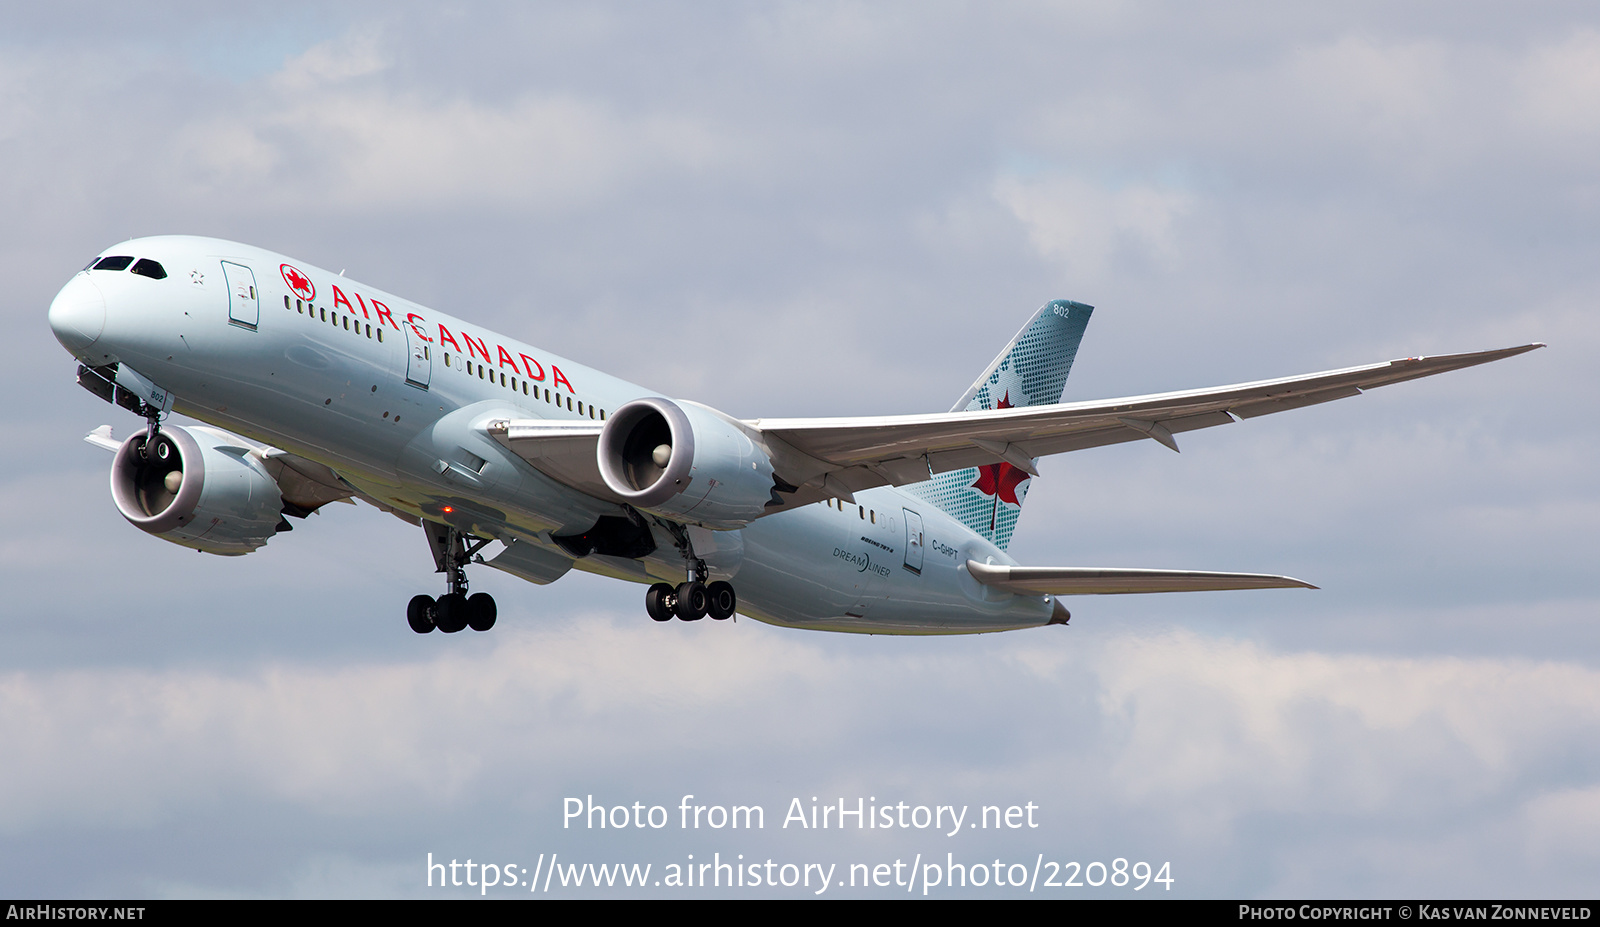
(304, 484)
(840, 456)
(1104, 581)
(564, 450)
(843, 455)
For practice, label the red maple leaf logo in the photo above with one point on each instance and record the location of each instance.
(1001, 479)
(300, 283)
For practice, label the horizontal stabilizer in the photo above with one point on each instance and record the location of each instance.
(1103, 581)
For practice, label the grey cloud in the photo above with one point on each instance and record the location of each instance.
(1201, 733)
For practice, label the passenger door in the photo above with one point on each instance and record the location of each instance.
(419, 359)
(913, 541)
(244, 304)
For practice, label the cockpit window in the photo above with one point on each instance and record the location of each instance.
(150, 269)
(117, 262)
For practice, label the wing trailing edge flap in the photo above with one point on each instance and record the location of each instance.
(1103, 581)
(307, 485)
(842, 455)
(564, 451)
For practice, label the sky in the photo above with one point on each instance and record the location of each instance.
(836, 209)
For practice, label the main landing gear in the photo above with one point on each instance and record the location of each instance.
(454, 610)
(694, 599)
(691, 601)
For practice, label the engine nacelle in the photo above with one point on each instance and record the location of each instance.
(686, 462)
(199, 488)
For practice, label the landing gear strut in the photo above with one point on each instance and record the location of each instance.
(155, 447)
(454, 610)
(695, 598)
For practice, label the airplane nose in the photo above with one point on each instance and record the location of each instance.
(78, 314)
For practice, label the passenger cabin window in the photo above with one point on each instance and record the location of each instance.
(119, 262)
(148, 268)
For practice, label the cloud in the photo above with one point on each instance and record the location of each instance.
(133, 745)
(1379, 97)
(1094, 229)
(1559, 90)
(325, 133)
(1560, 827)
(327, 64)
(1365, 734)
(1208, 733)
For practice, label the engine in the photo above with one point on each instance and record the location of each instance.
(686, 462)
(197, 487)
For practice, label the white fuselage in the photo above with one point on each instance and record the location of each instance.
(388, 394)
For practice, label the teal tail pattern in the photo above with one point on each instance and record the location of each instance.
(1031, 371)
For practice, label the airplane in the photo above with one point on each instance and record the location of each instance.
(313, 388)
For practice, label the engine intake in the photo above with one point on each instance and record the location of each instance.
(647, 451)
(198, 488)
(685, 462)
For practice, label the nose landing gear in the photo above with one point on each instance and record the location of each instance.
(455, 610)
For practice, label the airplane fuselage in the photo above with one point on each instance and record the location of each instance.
(394, 398)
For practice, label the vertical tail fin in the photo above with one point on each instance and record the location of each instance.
(1031, 371)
